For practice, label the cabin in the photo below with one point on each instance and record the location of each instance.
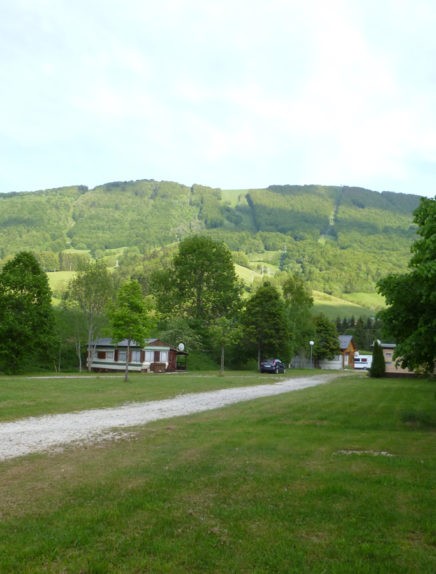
(345, 359)
(391, 368)
(155, 356)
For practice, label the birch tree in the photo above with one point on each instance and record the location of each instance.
(91, 291)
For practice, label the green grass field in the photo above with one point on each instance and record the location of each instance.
(372, 301)
(334, 307)
(334, 479)
(58, 280)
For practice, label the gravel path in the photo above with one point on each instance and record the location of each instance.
(39, 434)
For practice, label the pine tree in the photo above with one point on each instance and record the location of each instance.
(378, 367)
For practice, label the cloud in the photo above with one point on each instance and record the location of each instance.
(240, 93)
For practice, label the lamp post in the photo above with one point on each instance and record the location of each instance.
(311, 343)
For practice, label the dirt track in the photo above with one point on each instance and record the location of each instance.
(45, 433)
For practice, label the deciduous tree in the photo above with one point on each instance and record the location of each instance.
(325, 338)
(298, 302)
(130, 318)
(410, 317)
(202, 282)
(91, 291)
(225, 331)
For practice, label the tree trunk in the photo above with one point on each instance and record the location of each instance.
(222, 359)
(126, 370)
(89, 353)
(79, 354)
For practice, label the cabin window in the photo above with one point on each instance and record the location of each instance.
(149, 356)
(136, 356)
(122, 356)
(164, 356)
(105, 355)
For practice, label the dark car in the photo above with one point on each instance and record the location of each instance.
(272, 366)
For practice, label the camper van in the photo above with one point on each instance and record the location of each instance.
(362, 362)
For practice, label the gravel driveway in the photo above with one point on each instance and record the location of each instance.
(39, 434)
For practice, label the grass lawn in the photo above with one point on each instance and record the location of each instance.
(38, 395)
(336, 479)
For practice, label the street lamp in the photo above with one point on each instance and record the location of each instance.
(311, 343)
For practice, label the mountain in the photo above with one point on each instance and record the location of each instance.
(341, 239)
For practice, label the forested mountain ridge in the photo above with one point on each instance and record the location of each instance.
(339, 238)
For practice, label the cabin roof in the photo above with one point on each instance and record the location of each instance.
(345, 340)
(387, 345)
(108, 341)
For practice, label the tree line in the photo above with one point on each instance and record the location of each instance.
(195, 296)
(196, 299)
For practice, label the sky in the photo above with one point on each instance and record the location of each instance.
(234, 94)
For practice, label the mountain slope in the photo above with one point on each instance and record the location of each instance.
(341, 239)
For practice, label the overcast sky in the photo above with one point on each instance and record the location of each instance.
(226, 93)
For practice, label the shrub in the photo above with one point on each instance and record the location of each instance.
(378, 367)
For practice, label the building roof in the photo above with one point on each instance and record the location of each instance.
(345, 340)
(384, 345)
(124, 343)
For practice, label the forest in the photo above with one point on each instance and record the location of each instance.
(341, 240)
(218, 268)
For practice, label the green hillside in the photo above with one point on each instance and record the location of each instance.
(37, 220)
(340, 239)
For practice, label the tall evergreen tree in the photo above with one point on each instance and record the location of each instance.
(27, 326)
(378, 365)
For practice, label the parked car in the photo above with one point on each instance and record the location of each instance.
(272, 366)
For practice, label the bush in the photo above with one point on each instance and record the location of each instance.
(200, 361)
